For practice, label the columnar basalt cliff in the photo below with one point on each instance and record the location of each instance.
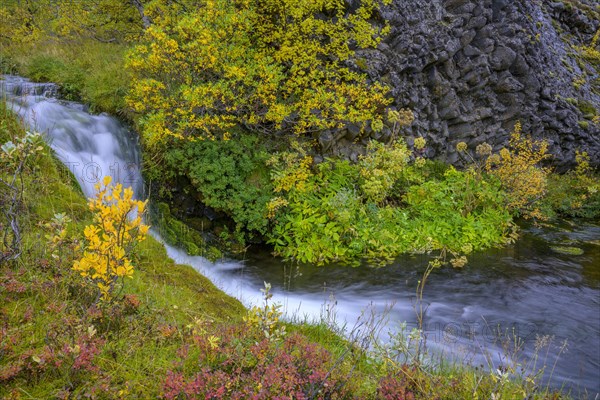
(470, 69)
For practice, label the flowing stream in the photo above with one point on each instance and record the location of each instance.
(527, 290)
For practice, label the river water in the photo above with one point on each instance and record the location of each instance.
(527, 290)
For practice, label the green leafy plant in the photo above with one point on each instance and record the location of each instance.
(230, 176)
(381, 168)
(575, 193)
(382, 207)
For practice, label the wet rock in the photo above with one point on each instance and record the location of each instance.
(210, 213)
(353, 132)
(455, 5)
(468, 37)
(519, 66)
(471, 51)
(470, 69)
(453, 46)
(477, 22)
(486, 45)
(460, 131)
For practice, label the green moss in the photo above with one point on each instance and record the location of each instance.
(596, 85)
(213, 253)
(567, 65)
(557, 27)
(177, 233)
(567, 250)
(362, 64)
(583, 124)
(586, 108)
(572, 101)
(167, 284)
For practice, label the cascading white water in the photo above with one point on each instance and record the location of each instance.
(94, 146)
(526, 287)
(91, 146)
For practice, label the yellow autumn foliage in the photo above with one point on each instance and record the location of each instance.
(117, 228)
(267, 65)
(293, 177)
(592, 51)
(518, 169)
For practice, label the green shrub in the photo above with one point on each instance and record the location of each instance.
(576, 193)
(462, 212)
(230, 175)
(329, 215)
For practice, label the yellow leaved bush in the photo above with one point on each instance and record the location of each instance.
(266, 65)
(117, 228)
(518, 169)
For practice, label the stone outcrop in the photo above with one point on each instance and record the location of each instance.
(469, 69)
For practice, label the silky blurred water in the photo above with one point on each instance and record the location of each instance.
(526, 290)
(91, 146)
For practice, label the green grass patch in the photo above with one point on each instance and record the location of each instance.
(86, 70)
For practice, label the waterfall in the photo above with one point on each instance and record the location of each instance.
(94, 146)
(90, 146)
(526, 289)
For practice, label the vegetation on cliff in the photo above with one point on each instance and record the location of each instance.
(268, 66)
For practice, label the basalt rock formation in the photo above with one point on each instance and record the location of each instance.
(469, 69)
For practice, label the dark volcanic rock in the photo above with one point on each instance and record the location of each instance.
(502, 58)
(469, 69)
